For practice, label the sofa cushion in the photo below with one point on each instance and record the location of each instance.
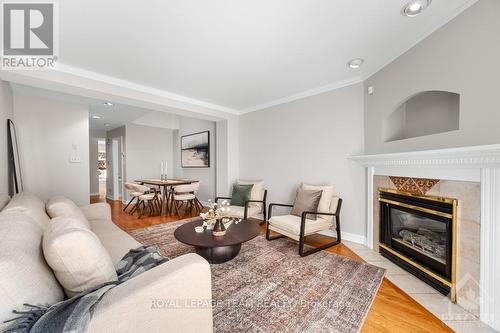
(25, 277)
(4, 200)
(257, 192)
(291, 223)
(31, 205)
(306, 201)
(59, 206)
(239, 212)
(116, 241)
(76, 256)
(326, 198)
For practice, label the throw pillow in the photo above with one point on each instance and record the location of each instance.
(257, 192)
(241, 194)
(306, 201)
(76, 256)
(325, 201)
(59, 206)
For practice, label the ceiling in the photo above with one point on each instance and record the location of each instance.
(110, 117)
(241, 55)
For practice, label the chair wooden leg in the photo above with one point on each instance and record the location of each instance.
(131, 200)
(136, 207)
(337, 241)
(200, 205)
(268, 233)
(176, 208)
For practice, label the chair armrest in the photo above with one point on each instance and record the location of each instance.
(97, 211)
(304, 214)
(217, 198)
(173, 297)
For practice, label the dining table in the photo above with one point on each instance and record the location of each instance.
(165, 186)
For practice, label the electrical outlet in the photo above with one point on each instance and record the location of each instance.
(75, 159)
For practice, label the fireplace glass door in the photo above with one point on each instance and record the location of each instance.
(423, 237)
(412, 233)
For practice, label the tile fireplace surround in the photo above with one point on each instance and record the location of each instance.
(470, 174)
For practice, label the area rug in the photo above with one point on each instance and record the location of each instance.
(268, 287)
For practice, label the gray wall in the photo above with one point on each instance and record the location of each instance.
(6, 112)
(460, 57)
(426, 113)
(206, 176)
(309, 140)
(49, 133)
(146, 148)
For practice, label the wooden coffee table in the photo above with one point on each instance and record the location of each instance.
(217, 249)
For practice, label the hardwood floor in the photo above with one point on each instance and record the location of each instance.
(392, 310)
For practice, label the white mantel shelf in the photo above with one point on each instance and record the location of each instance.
(474, 156)
(474, 163)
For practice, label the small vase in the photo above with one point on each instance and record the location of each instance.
(219, 229)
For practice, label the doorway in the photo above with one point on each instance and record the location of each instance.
(115, 168)
(102, 167)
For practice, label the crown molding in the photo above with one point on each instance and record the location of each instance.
(142, 88)
(304, 94)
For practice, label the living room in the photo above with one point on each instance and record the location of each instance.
(319, 166)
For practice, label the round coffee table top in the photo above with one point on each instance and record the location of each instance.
(235, 234)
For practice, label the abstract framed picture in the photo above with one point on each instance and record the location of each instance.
(195, 150)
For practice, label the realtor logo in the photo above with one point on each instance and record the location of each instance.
(28, 39)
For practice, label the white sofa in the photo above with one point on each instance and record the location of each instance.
(141, 304)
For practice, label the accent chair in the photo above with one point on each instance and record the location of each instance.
(252, 207)
(298, 227)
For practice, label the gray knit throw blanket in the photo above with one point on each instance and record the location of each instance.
(74, 314)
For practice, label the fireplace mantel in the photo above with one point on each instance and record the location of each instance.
(474, 163)
(473, 156)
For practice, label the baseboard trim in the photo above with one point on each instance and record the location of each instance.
(94, 194)
(355, 238)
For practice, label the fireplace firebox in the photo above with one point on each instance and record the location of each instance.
(418, 233)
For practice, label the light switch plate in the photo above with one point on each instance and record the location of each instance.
(75, 159)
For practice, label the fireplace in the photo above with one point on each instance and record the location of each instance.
(418, 233)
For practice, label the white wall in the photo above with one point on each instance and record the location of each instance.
(206, 176)
(146, 148)
(309, 140)
(6, 112)
(94, 137)
(49, 133)
(460, 57)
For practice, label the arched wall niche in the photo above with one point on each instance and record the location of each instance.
(425, 113)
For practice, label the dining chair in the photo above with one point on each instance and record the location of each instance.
(148, 201)
(186, 194)
(133, 193)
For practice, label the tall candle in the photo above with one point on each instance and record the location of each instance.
(161, 170)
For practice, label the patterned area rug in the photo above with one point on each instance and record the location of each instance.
(268, 287)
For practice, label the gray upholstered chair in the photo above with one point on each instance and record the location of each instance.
(298, 227)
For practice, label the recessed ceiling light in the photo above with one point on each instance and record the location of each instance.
(355, 63)
(108, 103)
(107, 125)
(96, 117)
(415, 7)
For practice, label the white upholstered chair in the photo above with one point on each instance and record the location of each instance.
(187, 194)
(298, 227)
(254, 206)
(148, 201)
